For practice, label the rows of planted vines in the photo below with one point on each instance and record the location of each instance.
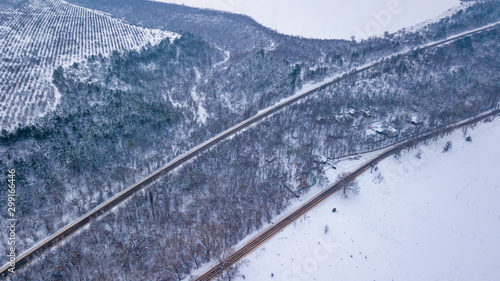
(38, 36)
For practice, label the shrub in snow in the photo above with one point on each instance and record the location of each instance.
(447, 146)
(419, 155)
(378, 178)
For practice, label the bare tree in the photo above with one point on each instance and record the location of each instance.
(447, 146)
(210, 238)
(172, 262)
(349, 186)
(193, 249)
(227, 272)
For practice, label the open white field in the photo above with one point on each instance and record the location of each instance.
(327, 19)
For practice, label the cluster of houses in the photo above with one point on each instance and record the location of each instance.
(383, 127)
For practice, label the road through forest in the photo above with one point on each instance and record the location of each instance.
(277, 227)
(120, 197)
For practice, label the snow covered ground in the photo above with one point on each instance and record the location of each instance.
(331, 19)
(431, 217)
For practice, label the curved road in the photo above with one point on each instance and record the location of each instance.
(273, 230)
(104, 207)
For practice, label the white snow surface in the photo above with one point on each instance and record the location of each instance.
(332, 19)
(433, 218)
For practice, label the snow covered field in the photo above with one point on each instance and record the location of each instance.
(432, 217)
(327, 19)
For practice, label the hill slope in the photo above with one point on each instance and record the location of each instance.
(38, 36)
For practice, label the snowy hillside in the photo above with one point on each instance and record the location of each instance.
(430, 218)
(36, 37)
(331, 19)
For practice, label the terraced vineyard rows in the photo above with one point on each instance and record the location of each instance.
(38, 36)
